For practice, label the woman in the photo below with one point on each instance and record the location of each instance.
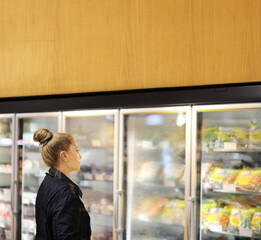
(60, 213)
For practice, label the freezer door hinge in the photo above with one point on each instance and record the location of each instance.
(191, 199)
(119, 192)
(118, 231)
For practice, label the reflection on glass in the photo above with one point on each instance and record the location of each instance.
(155, 151)
(32, 169)
(5, 178)
(230, 175)
(95, 138)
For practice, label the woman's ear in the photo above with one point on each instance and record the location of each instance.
(63, 156)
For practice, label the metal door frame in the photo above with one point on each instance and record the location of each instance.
(195, 111)
(116, 191)
(13, 175)
(16, 135)
(159, 110)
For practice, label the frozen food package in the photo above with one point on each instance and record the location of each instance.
(167, 213)
(234, 220)
(219, 216)
(221, 176)
(256, 223)
(225, 134)
(150, 208)
(249, 180)
(239, 203)
(155, 210)
(205, 170)
(245, 218)
(241, 133)
(209, 136)
(254, 200)
(173, 212)
(173, 173)
(231, 175)
(151, 172)
(207, 204)
(255, 133)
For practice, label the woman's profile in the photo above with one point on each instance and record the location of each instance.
(60, 213)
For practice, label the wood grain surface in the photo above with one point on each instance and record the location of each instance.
(66, 46)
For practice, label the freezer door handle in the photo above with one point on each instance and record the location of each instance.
(118, 231)
(191, 201)
(14, 197)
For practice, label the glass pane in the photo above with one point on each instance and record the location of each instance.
(155, 158)
(32, 169)
(5, 178)
(230, 166)
(95, 138)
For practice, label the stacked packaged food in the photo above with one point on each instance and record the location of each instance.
(231, 181)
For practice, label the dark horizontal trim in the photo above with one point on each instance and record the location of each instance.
(212, 94)
(148, 90)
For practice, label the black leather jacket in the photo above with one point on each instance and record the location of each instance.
(60, 213)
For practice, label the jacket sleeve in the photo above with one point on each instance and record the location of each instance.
(66, 216)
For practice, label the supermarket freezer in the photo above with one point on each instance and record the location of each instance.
(96, 133)
(155, 166)
(31, 168)
(226, 163)
(8, 212)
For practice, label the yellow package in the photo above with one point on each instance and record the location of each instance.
(209, 134)
(205, 208)
(249, 180)
(219, 216)
(173, 212)
(245, 218)
(256, 223)
(255, 132)
(225, 134)
(241, 133)
(205, 170)
(234, 220)
(221, 176)
(234, 217)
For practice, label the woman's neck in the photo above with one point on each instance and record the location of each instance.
(62, 169)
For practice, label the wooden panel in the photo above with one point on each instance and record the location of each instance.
(64, 46)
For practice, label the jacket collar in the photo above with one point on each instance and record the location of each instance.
(56, 174)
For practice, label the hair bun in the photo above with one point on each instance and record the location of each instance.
(43, 136)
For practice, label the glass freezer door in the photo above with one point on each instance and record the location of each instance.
(95, 133)
(31, 166)
(229, 172)
(6, 177)
(155, 164)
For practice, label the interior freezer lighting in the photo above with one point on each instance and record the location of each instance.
(6, 141)
(110, 117)
(154, 120)
(181, 119)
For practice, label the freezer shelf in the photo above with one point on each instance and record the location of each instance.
(217, 232)
(156, 230)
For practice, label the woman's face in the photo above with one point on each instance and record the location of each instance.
(74, 157)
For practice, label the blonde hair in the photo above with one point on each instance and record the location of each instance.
(52, 144)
